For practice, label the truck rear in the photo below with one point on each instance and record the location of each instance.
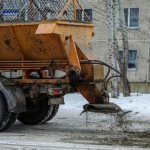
(47, 43)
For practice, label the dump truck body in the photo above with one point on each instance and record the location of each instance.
(36, 38)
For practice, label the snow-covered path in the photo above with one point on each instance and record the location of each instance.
(70, 130)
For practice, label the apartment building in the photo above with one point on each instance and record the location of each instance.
(137, 16)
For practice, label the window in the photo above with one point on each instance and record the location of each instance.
(132, 17)
(132, 59)
(81, 16)
(89, 13)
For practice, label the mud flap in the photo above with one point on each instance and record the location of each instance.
(102, 108)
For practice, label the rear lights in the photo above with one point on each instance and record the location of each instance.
(55, 91)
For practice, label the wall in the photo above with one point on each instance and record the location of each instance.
(138, 38)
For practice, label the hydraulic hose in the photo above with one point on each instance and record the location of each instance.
(109, 67)
(51, 71)
(88, 62)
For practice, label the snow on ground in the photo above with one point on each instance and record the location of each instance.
(69, 130)
(139, 104)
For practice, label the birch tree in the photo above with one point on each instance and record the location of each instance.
(115, 42)
(112, 6)
(112, 30)
(149, 47)
(124, 65)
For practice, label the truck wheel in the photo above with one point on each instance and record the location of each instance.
(53, 114)
(37, 113)
(5, 116)
(12, 120)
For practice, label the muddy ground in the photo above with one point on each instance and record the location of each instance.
(70, 130)
(109, 132)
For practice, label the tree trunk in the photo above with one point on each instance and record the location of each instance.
(124, 80)
(148, 74)
(115, 42)
(111, 51)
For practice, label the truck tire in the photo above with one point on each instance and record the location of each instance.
(5, 116)
(53, 114)
(36, 114)
(12, 120)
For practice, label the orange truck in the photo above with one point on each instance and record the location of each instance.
(47, 42)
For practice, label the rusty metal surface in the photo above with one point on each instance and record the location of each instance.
(91, 73)
(79, 30)
(86, 50)
(42, 81)
(20, 43)
(59, 22)
(73, 56)
(91, 93)
(47, 29)
(98, 73)
(87, 69)
(32, 46)
(23, 65)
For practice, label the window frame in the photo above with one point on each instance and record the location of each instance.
(129, 9)
(136, 60)
(87, 14)
(83, 15)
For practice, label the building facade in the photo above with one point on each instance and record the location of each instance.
(137, 16)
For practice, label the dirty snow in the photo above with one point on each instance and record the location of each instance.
(69, 130)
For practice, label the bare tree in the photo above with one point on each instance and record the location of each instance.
(124, 64)
(115, 41)
(114, 7)
(149, 48)
(112, 30)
